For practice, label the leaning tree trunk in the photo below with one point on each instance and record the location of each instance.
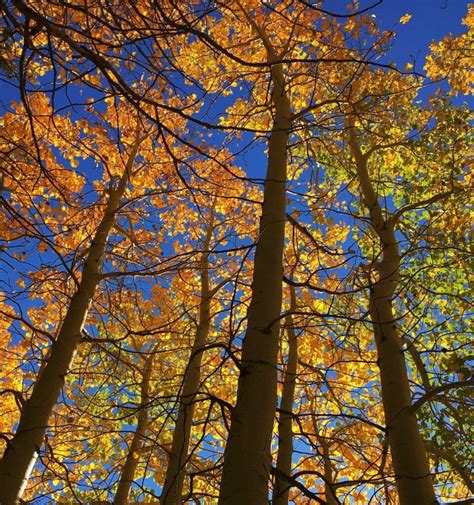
(127, 475)
(247, 456)
(285, 429)
(175, 473)
(409, 459)
(21, 453)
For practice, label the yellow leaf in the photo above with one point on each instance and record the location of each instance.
(405, 19)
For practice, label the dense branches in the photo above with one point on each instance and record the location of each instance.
(234, 256)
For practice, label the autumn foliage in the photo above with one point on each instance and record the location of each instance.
(236, 246)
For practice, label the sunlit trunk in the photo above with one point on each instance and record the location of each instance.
(20, 456)
(247, 457)
(409, 459)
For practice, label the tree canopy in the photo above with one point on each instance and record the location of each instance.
(235, 255)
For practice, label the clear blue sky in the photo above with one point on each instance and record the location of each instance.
(431, 20)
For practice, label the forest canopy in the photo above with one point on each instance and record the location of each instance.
(235, 253)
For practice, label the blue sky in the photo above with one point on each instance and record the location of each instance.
(431, 20)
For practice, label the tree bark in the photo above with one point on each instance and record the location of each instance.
(285, 429)
(127, 475)
(20, 456)
(329, 488)
(178, 458)
(409, 459)
(247, 456)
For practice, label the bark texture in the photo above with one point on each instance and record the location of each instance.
(285, 429)
(20, 456)
(129, 469)
(409, 459)
(247, 458)
(178, 458)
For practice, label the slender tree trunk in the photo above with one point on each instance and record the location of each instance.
(20, 456)
(139, 438)
(329, 488)
(285, 429)
(175, 473)
(409, 459)
(247, 456)
(329, 492)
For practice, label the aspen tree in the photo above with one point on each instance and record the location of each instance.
(129, 468)
(175, 473)
(285, 429)
(409, 459)
(247, 458)
(21, 453)
(329, 490)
